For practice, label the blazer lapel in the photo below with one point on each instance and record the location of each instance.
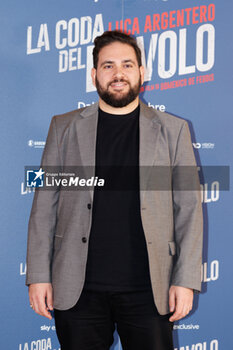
(86, 131)
(149, 129)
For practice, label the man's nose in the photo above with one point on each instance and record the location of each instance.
(118, 72)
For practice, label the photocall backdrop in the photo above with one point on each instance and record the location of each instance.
(46, 58)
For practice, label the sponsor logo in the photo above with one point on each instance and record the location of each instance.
(35, 178)
(47, 328)
(203, 145)
(36, 144)
(187, 327)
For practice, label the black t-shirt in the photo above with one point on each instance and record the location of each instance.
(117, 254)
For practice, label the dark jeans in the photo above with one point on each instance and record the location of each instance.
(90, 324)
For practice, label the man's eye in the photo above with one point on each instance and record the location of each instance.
(128, 65)
(108, 66)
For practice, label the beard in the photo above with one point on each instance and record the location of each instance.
(119, 99)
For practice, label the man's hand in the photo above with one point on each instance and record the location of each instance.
(41, 298)
(180, 302)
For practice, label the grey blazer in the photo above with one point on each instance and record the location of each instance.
(60, 221)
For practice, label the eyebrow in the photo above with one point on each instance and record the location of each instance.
(111, 62)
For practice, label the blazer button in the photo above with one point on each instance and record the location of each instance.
(84, 240)
(89, 205)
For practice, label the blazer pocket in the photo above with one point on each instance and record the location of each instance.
(172, 247)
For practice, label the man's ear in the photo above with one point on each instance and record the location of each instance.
(93, 75)
(142, 72)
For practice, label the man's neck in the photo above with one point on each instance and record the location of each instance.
(123, 110)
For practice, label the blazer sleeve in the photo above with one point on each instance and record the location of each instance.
(188, 216)
(42, 222)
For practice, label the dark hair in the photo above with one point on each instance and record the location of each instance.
(112, 36)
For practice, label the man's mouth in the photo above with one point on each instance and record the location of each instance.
(118, 84)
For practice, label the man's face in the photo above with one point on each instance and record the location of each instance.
(118, 77)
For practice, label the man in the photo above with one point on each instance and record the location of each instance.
(128, 257)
